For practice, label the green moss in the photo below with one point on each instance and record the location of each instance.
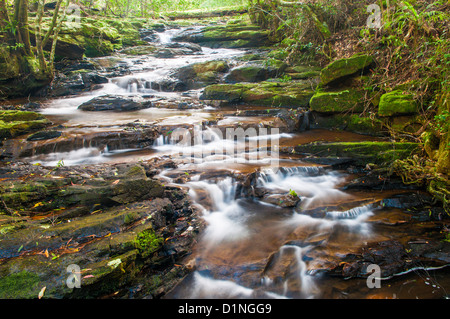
(343, 67)
(396, 103)
(19, 285)
(224, 92)
(211, 66)
(147, 242)
(15, 123)
(263, 93)
(337, 102)
(278, 54)
(361, 152)
(140, 50)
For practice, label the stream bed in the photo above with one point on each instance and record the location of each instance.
(277, 226)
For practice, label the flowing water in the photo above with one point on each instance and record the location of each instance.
(252, 247)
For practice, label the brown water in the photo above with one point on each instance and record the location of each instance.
(250, 248)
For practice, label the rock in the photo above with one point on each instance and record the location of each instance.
(113, 245)
(15, 123)
(65, 49)
(297, 120)
(273, 94)
(253, 72)
(192, 47)
(113, 103)
(396, 103)
(198, 75)
(349, 122)
(343, 67)
(225, 36)
(44, 135)
(361, 152)
(282, 200)
(226, 92)
(75, 82)
(140, 50)
(338, 102)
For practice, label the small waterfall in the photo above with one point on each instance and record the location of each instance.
(353, 213)
(166, 36)
(224, 216)
(312, 184)
(304, 281)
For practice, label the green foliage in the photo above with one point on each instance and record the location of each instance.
(147, 8)
(19, 285)
(148, 242)
(293, 193)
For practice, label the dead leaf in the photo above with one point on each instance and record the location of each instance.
(116, 181)
(46, 253)
(41, 293)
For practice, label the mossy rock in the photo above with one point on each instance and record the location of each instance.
(248, 73)
(224, 92)
(431, 144)
(361, 152)
(147, 242)
(263, 93)
(198, 75)
(227, 36)
(278, 94)
(278, 54)
(344, 67)
(349, 122)
(22, 285)
(337, 102)
(15, 123)
(397, 103)
(140, 50)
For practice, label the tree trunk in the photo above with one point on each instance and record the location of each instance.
(39, 47)
(21, 16)
(53, 24)
(5, 36)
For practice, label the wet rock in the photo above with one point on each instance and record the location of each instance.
(282, 200)
(273, 94)
(192, 47)
(113, 103)
(140, 50)
(362, 152)
(198, 75)
(297, 120)
(75, 82)
(253, 72)
(142, 235)
(15, 123)
(44, 135)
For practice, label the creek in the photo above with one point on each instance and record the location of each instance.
(287, 233)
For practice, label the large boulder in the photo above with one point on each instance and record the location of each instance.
(341, 68)
(277, 94)
(15, 123)
(397, 103)
(338, 101)
(114, 103)
(361, 153)
(226, 36)
(197, 75)
(254, 72)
